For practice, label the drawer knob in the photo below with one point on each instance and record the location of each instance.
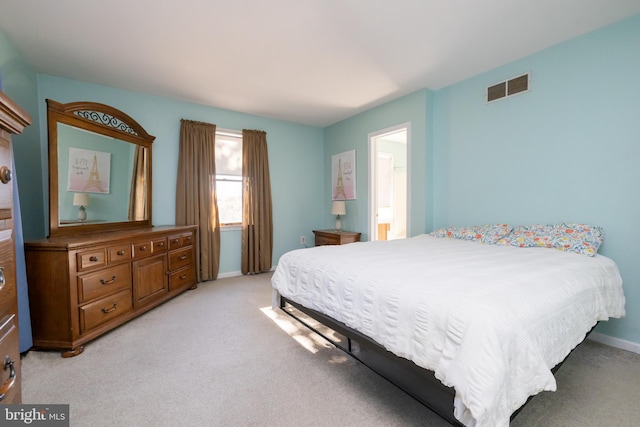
(108, 282)
(10, 382)
(183, 256)
(109, 310)
(143, 248)
(93, 258)
(120, 253)
(160, 243)
(5, 174)
(184, 276)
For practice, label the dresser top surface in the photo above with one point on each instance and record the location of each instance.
(97, 238)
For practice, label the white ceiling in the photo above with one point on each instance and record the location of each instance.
(305, 61)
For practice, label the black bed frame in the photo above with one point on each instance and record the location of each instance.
(418, 382)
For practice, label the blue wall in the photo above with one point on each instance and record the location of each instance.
(295, 158)
(566, 151)
(354, 133)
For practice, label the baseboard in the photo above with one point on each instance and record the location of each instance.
(229, 274)
(631, 346)
(236, 273)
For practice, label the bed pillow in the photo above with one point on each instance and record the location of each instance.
(488, 234)
(569, 237)
(528, 236)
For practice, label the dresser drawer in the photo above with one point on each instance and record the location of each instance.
(141, 250)
(150, 247)
(102, 311)
(90, 259)
(10, 359)
(104, 282)
(180, 241)
(182, 278)
(159, 245)
(187, 239)
(118, 254)
(180, 258)
(8, 290)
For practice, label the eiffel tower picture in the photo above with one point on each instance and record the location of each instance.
(339, 184)
(94, 178)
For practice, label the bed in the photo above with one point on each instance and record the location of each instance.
(471, 324)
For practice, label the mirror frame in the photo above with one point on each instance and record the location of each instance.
(101, 119)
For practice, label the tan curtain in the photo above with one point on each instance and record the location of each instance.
(257, 221)
(195, 194)
(138, 195)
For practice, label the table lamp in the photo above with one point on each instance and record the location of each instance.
(338, 208)
(82, 200)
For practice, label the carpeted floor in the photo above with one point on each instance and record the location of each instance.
(219, 356)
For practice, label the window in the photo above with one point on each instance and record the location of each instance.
(229, 177)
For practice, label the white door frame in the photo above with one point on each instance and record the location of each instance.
(373, 164)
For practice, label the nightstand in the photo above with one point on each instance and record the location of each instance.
(333, 237)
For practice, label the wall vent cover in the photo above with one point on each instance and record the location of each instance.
(509, 87)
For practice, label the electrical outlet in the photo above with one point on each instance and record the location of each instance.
(303, 240)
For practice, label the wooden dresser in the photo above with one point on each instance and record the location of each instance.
(82, 286)
(12, 121)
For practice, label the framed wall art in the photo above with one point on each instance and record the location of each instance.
(89, 171)
(343, 176)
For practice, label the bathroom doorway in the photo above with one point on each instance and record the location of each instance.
(388, 183)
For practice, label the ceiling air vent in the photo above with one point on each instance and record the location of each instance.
(508, 88)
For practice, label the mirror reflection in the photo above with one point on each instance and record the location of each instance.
(99, 169)
(97, 178)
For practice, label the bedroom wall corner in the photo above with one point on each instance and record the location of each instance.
(19, 81)
(353, 134)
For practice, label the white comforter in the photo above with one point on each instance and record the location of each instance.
(490, 321)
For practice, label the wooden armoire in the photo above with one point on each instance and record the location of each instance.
(12, 121)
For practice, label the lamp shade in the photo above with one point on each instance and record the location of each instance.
(81, 199)
(338, 208)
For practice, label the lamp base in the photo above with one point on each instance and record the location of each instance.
(338, 223)
(82, 213)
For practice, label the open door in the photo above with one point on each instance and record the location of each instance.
(388, 183)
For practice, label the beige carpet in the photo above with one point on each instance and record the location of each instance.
(219, 356)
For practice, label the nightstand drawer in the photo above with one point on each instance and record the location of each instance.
(324, 240)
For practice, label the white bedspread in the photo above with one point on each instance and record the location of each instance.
(490, 321)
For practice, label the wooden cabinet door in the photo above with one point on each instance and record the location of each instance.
(150, 280)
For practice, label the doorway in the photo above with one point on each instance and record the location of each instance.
(388, 183)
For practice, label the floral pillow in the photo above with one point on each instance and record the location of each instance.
(528, 236)
(488, 234)
(569, 237)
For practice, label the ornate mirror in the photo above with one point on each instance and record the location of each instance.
(99, 169)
